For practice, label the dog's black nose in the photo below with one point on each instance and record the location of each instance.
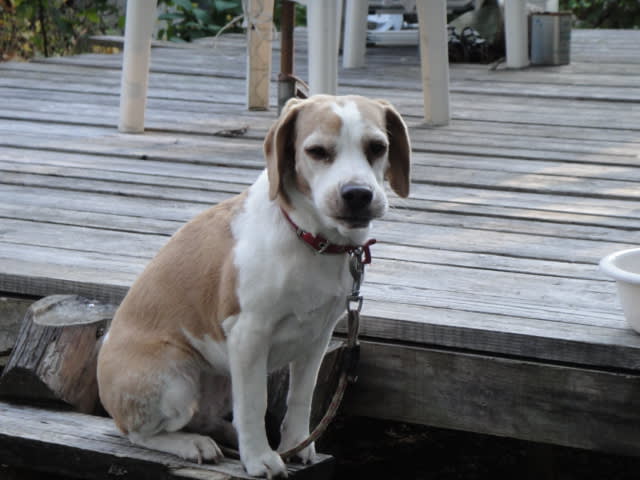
(356, 197)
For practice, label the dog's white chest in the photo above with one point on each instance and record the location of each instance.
(305, 306)
(295, 294)
(295, 333)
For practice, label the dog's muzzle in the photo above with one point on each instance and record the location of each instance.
(356, 200)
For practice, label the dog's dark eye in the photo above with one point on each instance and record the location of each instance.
(317, 152)
(377, 148)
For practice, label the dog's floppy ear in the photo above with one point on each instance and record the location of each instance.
(398, 173)
(279, 148)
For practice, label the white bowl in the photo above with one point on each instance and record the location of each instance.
(624, 267)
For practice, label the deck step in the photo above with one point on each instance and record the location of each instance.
(90, 447)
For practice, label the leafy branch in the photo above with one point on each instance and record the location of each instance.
(52, 27)
(187, 21)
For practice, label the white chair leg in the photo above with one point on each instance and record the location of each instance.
(141, 17)
(434, 60)
(355, 33)
(552, 5)
(323, 20)
(516, 30)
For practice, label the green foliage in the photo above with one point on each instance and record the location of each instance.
(30, 28)
(51, 27)
(300, 17)
(604, 13)
(187, 21)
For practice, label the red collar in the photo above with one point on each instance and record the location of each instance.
(321, 245)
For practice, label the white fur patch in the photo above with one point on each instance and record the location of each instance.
(215, 352)
(352, 124)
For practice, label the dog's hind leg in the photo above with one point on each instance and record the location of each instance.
(175, 410)
(190, 446)
(213, 416)
(153, 396)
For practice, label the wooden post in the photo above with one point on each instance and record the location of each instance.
(323, 21)
(286, 83)
(355, 33)
(56, 352)
(516, 30)
(432, 17)
(259, 37)
(141, 16)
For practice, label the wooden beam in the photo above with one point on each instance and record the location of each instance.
(541, 402)
(90, 447)
(286, 82)
(259, 37)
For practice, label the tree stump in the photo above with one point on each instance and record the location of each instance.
(12, 311)
(55, 355)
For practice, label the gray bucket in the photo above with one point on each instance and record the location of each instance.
(551, 38)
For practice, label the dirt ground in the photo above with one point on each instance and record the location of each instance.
(373, 449)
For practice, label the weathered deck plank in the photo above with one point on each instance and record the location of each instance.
(495, 252)
(558, 404)
(75, 444)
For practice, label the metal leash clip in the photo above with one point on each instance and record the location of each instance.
(354, 306)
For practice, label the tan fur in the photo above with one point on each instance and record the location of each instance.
(399, 150)
(317, 113)
(195, 266)
(279, 151)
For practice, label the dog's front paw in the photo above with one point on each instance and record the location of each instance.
(293, 434)
(267, 464)
(306, 455)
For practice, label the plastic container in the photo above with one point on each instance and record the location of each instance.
(551, 38)
(624, 267)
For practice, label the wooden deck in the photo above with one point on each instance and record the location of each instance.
(485, 310)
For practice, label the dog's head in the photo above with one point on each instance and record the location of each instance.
(334, 153)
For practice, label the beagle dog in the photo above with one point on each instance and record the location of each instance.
(237, 292)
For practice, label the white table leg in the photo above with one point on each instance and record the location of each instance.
(141, 17)
(516, 33)
(355, 33)
(323, 21)
(434, 60)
